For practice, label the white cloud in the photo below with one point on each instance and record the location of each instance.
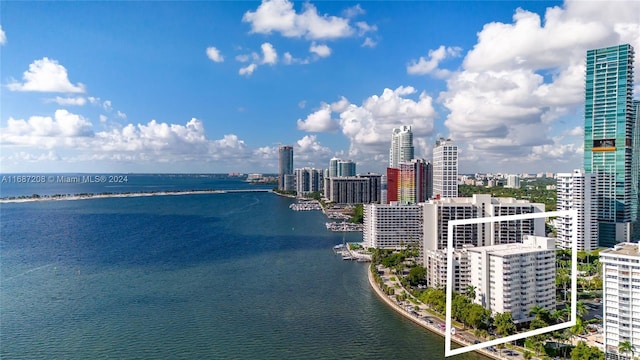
(364, 28)
(269, 54)
(46, 75)
(576, 131)
(214, 54)
(107, 105)
(248, 70)
(46, 131)
(309, 152)
(70, 101)
(521, 78)
(229, 147)
(242, 58)
(279, 16)
(529, 43)
(23, 156)
(69, 138)
(368, 42)
(121, 115)
(321, 50)
(557, 152)
(103, 118)
(353, 11)
(319, 121)
(430, 66)
(302, 104)
(266, 152)
(289, 59)
(368, 126)
(3, 36)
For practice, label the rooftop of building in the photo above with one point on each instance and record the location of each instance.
(530, 244)
(629, 249)
(508, 249)
(477, 198)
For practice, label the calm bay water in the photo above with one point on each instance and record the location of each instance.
(219, 276)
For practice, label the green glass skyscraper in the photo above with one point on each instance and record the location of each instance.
(635, 174)
(608, 139)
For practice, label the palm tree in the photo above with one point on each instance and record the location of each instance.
(581, 309)
(540, 313)
(578, 328)
(470, 292)
(626, 347)
(560, 315)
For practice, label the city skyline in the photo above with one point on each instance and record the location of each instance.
(214, 87)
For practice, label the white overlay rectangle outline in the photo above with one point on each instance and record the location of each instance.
(574, 280)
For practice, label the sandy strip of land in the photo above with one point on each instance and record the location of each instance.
(105, 196)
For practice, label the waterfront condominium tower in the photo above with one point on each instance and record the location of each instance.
(341, 168)
(577, 191)
(445, 169)
(635, 174)
(285, 168)
(414, 181)
(401, 146)
(608, 129)
(620, 296)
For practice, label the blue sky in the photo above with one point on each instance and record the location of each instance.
(216, 86)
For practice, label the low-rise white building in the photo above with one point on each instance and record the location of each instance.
(621, 298)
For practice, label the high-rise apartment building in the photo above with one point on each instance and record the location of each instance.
(333, 167)
(445, 169)
(608, 134)
(346, 168)
(392, 226)
(514, 277)
(438, 212)
(513, 182)
(375, 187)
(309, 180)
(635, 174)
(620, 298)
(360, 189)
(393, 185)
(401, 146)
(341, 167)
(577, 191)
(285, 168)
(414, 181)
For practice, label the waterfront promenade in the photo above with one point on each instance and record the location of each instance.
(421, 316)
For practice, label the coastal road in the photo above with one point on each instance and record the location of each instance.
(420, 315)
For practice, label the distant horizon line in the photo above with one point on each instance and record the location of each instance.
(235, 173)
(135, 173)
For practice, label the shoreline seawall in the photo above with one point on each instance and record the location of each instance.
(416, 320)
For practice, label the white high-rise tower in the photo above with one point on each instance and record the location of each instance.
(401, 146)
(445, 169)
(578, 191)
